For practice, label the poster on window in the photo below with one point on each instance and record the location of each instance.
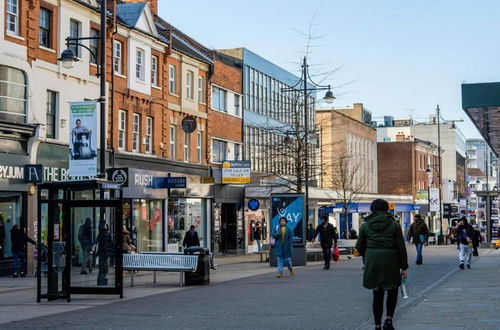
(83, 139)
(292, 207)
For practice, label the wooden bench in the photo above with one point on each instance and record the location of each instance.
(159, 262)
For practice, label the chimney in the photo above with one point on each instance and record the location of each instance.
(152, 4)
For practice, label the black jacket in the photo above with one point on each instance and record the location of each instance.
(19, 239)
(464, 233)
(328, 235)
(476, 238)
(191, 239)
(257, 234)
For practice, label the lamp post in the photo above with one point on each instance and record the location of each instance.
(68, 59)
(428, 171)
(306, 85)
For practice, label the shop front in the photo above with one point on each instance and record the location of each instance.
(228, 220)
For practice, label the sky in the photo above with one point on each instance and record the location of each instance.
(397, 57)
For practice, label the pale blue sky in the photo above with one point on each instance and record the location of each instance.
(400, 54)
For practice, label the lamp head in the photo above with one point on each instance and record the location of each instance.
(68, 58)
(329, 97)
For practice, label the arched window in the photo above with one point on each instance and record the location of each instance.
(13, 95)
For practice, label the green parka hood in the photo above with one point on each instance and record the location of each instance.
(378, 221)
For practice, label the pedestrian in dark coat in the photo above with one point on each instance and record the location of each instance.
(419, 234)
(191, 238)
(283, 246)
(257, 235)
(465, 232)
(86, 240)
(18, 240)
(328, 237)
(476, 240)
(382, 245)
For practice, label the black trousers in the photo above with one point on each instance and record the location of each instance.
(378, 304)
(327, 254)
(475, 253)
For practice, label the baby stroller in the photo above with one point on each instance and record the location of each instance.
(82, 142)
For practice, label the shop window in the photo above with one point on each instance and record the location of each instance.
(182, 213)
(10, 215)
(147, 217)
(13, 96)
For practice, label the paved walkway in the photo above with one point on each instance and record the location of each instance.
(466, 299)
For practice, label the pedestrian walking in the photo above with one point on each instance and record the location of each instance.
(382, 245)
(127, 245)
(18, 241)
(465, 233)
(419, 234)
(191, 238)
(257, 235)
(86, 243)
(283, 246)
(328, 238)
(310, 233)
(476, 240)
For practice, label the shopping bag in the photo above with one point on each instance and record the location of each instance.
(336, 254)
(272, 241)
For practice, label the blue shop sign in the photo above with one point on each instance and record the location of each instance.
(169, 182)
(253, 204)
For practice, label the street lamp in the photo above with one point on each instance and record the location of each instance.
(306, 85)
(68, 59)
(428, 171)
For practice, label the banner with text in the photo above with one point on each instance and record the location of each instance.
(83, 138)
(236, 171)
(292, 207)
(434, 199)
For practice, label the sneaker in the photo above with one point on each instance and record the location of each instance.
(327, 267)
(83, 272)
(468, 266)
(461, 266)
(388, 325)
(292, 272)
(15, 275)
(324, 268)
(279, 275)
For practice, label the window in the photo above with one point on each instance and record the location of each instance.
(149, 135)
(13, 95)
(74, 32)
(171, 79)
(199, 147)
(186, 147)
(139, 64)
(117, 57)
(236, 105)
(94, 46)
(189, 84)
(122, 126)
(44, 28)
(13, 16)
(237, 151)
(136, 131)
(154, 70)
(172, 142)
(51, 114)
(219, 99)
(219, 150)
(201, 89)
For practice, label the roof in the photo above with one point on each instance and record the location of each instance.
(129, 13)
(346, 116)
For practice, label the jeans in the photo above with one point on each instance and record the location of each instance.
(19, 260)
(327, 254)
(259, 247)
(378, 304)
(418, 246)
(284, 261)
(465, 254)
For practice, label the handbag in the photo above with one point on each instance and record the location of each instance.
(272, 241)
(336, 254)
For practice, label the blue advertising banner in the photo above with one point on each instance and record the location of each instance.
(292, 207)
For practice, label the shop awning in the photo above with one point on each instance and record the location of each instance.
(481, 102)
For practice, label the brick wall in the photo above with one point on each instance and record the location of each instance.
(396, 162)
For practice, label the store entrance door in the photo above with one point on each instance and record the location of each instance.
(229, 228)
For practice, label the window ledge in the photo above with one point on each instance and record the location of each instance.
(47, 49)
(226, 113)
(16, 36)
(173, 94)
(120, 75)
(140, 81)
(157, 87)
(93, 64)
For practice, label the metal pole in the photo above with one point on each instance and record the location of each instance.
(488, 201)
(306, 138)
(102, 98)
(440, 219)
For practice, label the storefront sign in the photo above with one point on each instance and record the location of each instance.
(189, 124)
(83, 138)
(33, 173)
(237, 171)
(140, 184)
(169, 182)
(118, 175)
(290, 206)
(434, 199)
(422, 194)
(253, 204)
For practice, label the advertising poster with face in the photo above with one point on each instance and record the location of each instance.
(290, 206)
(83, 139)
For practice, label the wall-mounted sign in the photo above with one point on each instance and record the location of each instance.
(33, 173)
(189, 124)
(169, 182)
(292, 207)
(118, 175)
(253, 204)
(237, 171)
(83, 138)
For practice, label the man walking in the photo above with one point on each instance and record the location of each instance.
(328, 235)
(191, 238)
(419, 233)
(465, 233)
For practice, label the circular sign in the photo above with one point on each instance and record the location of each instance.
(119, 176)
(253, 204)
(189, 124)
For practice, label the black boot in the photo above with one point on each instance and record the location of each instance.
(388, 325)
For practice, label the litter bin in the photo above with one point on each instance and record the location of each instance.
(202, 274)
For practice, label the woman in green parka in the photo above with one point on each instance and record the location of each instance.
(382, 246)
